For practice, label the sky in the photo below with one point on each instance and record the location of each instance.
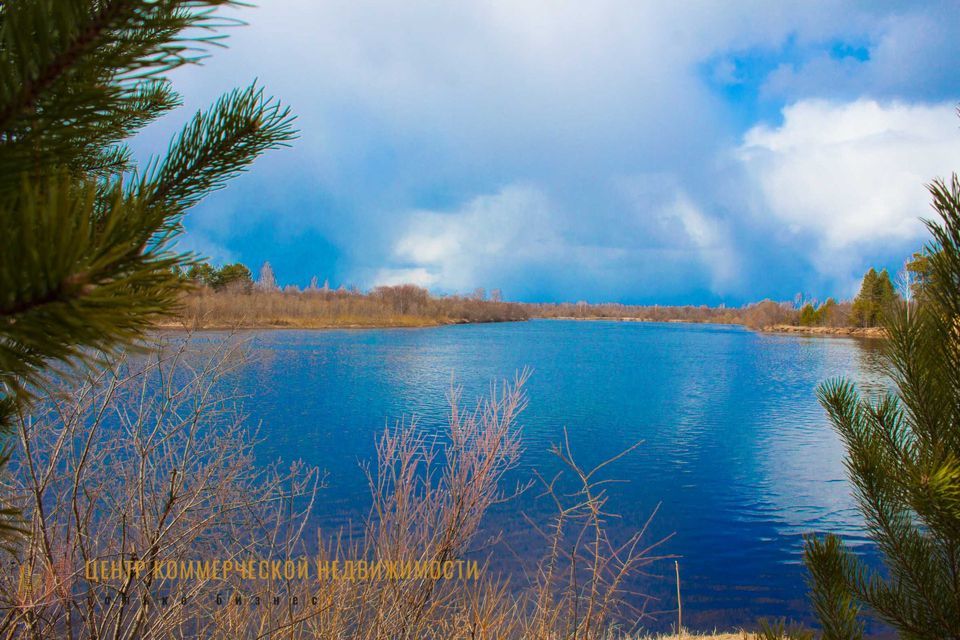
(638, 152)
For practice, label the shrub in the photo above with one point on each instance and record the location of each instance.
(150, 461)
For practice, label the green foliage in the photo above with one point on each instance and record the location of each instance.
(818, 316)
(876, 297)
(903, 460)
(202, 273)
(918, 267)
(828, 313)
(233, 275)
(835, 606)
(88, 260)
(808, 316)
(229, 276)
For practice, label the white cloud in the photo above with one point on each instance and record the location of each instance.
(468, 247)
(418, 276)
(851, 175)
(656, 234)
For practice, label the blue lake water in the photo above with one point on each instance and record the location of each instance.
(736, 449)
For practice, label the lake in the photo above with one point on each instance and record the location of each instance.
(736, 450)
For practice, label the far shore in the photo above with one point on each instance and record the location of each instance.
(853, 332)
(319, 324)
(415, 322)
(409, 322)
(254, 307)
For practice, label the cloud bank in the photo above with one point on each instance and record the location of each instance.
(642, 152)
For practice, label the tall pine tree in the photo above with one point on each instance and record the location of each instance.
(88, 259)
(903, 460)
(876, 296)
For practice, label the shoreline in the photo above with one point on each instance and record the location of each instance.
(635, 319)
(425, 323)
(412, 323)
(417, 323)
(844, 332)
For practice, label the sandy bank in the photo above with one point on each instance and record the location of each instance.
(855, 332)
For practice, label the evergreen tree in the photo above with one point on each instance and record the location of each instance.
(862, 311)
(884, 294)
(808, 316)
(918, 266)
(903, 460)
(827, 313)
(876, 296)
(202, 273)
(232, 276)
(88, 260)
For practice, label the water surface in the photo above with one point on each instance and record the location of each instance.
(737, 452)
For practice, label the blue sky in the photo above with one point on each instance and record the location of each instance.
(638, 152)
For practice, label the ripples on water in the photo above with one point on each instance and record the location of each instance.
(736, 447)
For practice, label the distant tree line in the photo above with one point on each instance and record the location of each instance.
(407, 302)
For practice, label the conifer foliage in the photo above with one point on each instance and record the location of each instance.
(903, 459)
(876, 296)
(88, 259)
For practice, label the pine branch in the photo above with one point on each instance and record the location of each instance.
(830, 568)
(216, 146)
(72, 73)
(92, 287)
(87, 38)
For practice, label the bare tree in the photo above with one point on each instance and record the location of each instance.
(267, 280)
(906, 282)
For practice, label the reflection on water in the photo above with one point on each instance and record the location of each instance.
(736, 447)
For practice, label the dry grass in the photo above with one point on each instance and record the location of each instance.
(151, 461)
(402, 306)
